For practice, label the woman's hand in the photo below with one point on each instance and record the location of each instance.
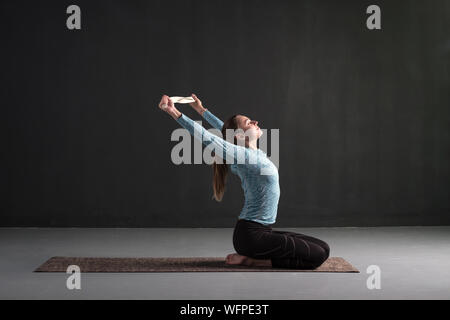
(167, 105)
(197, 105)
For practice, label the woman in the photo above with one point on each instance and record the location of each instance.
(255, 242)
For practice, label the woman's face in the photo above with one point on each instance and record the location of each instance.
(250, 127)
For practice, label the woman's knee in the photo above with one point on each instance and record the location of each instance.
(321, 256)
(326, 248)
(325, 253)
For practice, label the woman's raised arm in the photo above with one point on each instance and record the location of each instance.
(221, 147)
(205, 113)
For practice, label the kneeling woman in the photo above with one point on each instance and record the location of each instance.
(255, 242)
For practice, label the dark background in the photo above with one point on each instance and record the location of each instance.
(363, 115)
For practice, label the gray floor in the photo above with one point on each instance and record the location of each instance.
(414, 263)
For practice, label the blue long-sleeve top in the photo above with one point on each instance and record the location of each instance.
(258, 174)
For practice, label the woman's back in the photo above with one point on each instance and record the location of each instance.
(260, 183)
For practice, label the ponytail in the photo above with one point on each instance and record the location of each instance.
(219, 178)
(220, 170)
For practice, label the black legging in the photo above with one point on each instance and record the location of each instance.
(286, 249)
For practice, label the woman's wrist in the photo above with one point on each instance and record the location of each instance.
(201, 110)
(174, 113)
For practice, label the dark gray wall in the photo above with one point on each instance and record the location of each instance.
(363, 115)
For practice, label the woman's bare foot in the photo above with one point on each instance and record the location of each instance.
(237, 259)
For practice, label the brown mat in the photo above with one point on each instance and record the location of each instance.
(194, 264)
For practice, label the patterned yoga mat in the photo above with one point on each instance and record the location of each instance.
(192, 264)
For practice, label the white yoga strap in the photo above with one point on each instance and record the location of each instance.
(179, 100)
(182, 99)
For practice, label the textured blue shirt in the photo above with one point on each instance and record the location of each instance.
(259, 176)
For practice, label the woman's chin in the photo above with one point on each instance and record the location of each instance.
(260, 133)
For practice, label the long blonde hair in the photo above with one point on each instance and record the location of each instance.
(220, 171)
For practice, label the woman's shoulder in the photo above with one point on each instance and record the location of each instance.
(254, 159)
